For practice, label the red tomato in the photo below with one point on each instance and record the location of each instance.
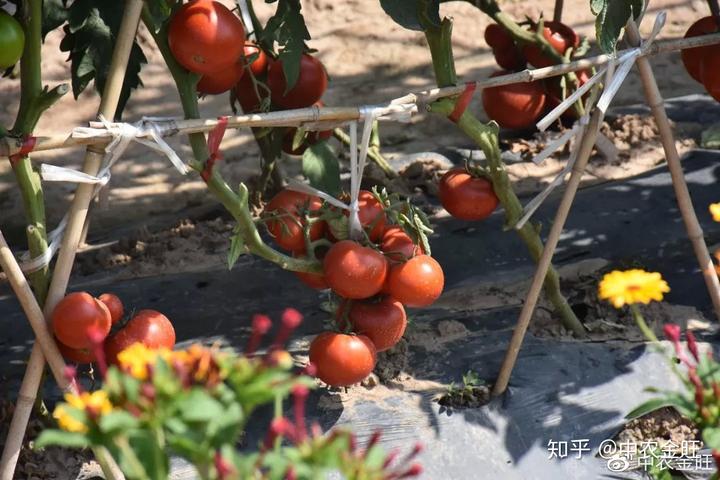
(692, 57)
(417, 282)
(342, 360)
(312, 280)
(398, 246)
(222, 80)
(205, 37)
(497, 37)
(514, 106)
(509, 58)
(354, 271)
(149, 327)
(559, 35)
(383, 322)
(76, 355)
(114, 305)
(77, 313)
(288, 229)
(467, 197)
(371, 214)
(710, 72)
(259, 63)
(310, 86)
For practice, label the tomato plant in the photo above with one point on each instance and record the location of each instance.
(12, 40)
(342, 360)
(149, 327)
(467, 197)
(560, 36)
(75, 315)
(114, 305)
(417, 282)
(308, 89)
(371, 214)
(285, 223)
(205, 37)
(382, 321)
(692, 57)
(514, 106)
(354, 271)
(398, 246)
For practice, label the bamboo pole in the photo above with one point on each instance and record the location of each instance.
(557, 12)
(78, 212)
(692, 225)
(287, 118)
(584, 151)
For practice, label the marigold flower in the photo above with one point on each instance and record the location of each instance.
(136, 359)
(715, 211)
(95, 403)
(632, 286)
(66, 422)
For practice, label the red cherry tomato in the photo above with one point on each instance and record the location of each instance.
(287, 229)
(710, 72)
(342, 360)
(692, 57)
(382, 321)
(310, 86)
(354, 271)
(220, 81)
(205, 37)
(12, 40)
(149, 327)
(417, 282)
(75, 315)
(114, 305)
(497, 37)
(560, 36)
(398, 246)
(76, 355)
(371, 214)
(467, 197)
(514, 106)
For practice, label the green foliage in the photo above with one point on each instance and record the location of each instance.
(237, 247)
(287, 28)
(611, 17)
(321, 167)
(402, 212)
(413, 14)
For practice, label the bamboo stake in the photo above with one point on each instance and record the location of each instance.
(692, 225)
(557, 13)
(288, 118)
(79, 207)
(585, 149)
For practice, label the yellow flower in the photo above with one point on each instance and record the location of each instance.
(632, 286)
(95, 404)
(136, 358)
(715, 211)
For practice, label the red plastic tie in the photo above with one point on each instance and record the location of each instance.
(463, 101)
(214, 138)
(27, 146)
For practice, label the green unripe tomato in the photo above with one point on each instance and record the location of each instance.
(12, 40)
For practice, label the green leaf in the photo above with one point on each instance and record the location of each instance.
(55, 13)
(612, 15)
(153, 459)
(321, 167)
(62, 438)
(407, 13)
(237, 248)
(199, 406)
(655, 404)
(287, 28)
(118, 420)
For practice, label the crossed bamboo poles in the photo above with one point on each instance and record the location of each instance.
(46, 347)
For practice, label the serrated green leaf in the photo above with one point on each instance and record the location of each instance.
(321, 167)
(612, 15)
(287, 28)
(62, 438)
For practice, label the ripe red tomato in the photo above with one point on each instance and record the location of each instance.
(222, 80)
(205, 37)
(398, 246)
(114, 305)
(257, 58)
(467, 197)
(497, 37)
(383, 321)
(342, 360)
(509, 58)
(149, 327)
(76, 355)
(354, 271)
(514, 106)
(693, 57)
(710, 71)
(417, 282)
(310, 86)
(559, 35)
(12, 40)
(372, 215)
(75, 315)
(288, 229)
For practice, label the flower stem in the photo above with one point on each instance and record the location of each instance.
(640, 321)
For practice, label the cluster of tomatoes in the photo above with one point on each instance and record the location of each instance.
(375, 278)
(80, 322)
(520, 105)
(207, 38)
(703, 63)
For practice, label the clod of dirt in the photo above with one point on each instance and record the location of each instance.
(391, 363)
(466, 397)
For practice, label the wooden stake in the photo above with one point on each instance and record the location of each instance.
(76, 220)
(557, 13)
(285, 118)
(692, 225)
(585, 149)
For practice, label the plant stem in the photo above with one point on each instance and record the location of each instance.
(235, 203)
(640, 321)
(373, 153)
